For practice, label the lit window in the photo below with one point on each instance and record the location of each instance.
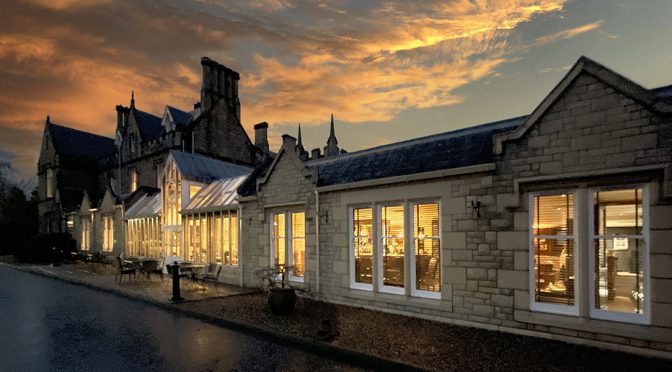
(392, 250)
(289, 242)
(212, 237)
(362, 245)
(619, 249)
(393, 245)
(553, 250)
(108, 232)
(134, 179)
(193, 190)
(427, 247)
(85, 224)
(298, 234)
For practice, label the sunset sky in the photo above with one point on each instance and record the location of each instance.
(388, 70)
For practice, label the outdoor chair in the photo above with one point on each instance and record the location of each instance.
(125, 269)
(212, 275)
(158, 269)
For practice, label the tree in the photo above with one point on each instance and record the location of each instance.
(18, 216)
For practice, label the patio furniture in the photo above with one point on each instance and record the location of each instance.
(212, 275)
(125, 268)
(150, 265)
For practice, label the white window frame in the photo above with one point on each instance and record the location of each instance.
(542, 306)
(595, 312)
(351, 223)
(414, 291)
(379, 253)
(289, 249)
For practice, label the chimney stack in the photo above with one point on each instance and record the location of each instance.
(219, 82)
(315, 154)
(289, 142)
(261, 136)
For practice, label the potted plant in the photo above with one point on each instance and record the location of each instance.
(281, 296)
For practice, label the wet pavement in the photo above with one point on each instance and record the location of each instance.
(48, 325)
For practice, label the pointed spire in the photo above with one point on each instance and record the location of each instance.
(300, 142)
(332, 143)
(331, 131)
(132, 98)
(48, 120)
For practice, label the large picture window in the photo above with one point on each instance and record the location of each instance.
(288, 240)
(553, 252)
(614, 235)
(619, 252)
(406, 249)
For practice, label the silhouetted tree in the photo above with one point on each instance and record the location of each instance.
(18, 216)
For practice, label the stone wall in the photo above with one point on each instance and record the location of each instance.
(287, 189)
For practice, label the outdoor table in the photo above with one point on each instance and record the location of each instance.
(191, 268)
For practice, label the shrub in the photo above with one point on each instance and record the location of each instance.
(53, 247)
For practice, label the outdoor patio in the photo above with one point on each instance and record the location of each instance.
(152, 287)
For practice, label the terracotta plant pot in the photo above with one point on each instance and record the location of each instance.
(282, 300)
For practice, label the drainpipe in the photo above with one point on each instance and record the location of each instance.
(240, 243)
(317, 242)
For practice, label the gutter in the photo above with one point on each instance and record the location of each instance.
(486, 167)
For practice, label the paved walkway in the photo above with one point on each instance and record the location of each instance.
(154, 289)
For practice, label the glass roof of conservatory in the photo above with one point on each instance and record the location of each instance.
(147, 206)
(216, 196)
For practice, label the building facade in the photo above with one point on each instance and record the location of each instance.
(554, 224)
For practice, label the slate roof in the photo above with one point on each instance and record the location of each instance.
(80, 144)
(663, 92)
(150, 125)
(181, 118)
(204, 169)
(249, 186)
(217, 196)
(459, 148)
(70, 199)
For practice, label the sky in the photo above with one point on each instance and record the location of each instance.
(387, 70)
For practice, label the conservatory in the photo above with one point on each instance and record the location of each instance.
(210, 224)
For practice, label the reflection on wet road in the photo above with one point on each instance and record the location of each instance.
(47, 325)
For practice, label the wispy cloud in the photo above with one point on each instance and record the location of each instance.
(569, 33)
(299, 60)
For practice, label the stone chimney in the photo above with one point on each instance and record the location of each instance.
(261, 136)
(315, 154)
(219, 83)
(289, 142)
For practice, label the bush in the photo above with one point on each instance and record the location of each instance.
(54, 247)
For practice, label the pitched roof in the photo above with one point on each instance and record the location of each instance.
(70, 198)
(663, 92)
(204, 169)
(181, 118)
(459, 148)
(149, 125)
(649, 98)
(80, 144)
(146, 206)
(217, 196)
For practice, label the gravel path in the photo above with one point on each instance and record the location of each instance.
(427, 344)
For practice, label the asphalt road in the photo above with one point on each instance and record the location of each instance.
(47, 325)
